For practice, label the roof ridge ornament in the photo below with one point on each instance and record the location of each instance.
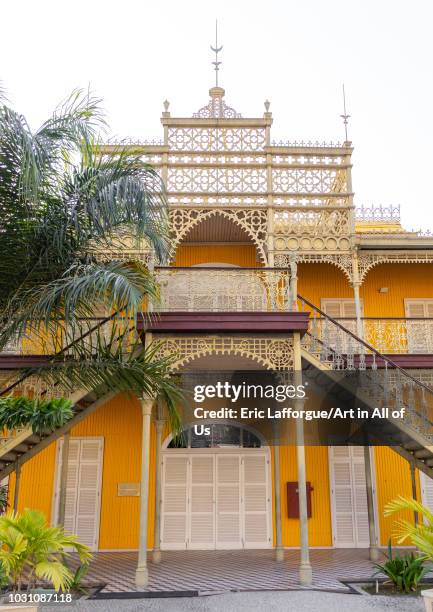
(216, 108)
(216, 50)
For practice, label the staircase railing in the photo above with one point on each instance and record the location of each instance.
(386, 382)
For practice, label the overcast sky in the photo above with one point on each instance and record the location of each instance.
(135, 54)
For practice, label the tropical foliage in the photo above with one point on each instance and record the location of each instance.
(65, 204)
(420, 535)
(32, 551)
(405, 572)
(40, 415)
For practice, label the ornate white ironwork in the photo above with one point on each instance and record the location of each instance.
(367, 261)
(224, 289)
(274, 353)
(216, 108)
(378, 213)
(254, 222)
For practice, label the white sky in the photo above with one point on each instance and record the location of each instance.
(296, 53)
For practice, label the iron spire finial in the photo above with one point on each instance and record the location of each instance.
(345, 116)
(216, 50)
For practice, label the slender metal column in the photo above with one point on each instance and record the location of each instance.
(293, 282)
(156, 557)
(17, 485)
(374, 549)
(305, 569)
(414, 491)
(63, 479)
(142, 573)
(356, 283)
(279, 551)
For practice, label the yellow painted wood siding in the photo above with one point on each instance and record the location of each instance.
(238, 255)
(119, 422)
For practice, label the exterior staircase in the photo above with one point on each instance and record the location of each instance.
(336, 356)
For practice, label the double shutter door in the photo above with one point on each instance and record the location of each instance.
(419, 333)
(348, 497)
(215, 501)
(339, 309)
(83, 489)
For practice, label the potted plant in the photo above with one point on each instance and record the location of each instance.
(34, 553)
(405, 572)
(420, 535)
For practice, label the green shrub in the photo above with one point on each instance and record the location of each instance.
(405, 572)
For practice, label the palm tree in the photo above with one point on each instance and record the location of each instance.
(32, 550)
(62, 202)
(421, 534)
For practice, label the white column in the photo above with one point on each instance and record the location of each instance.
(17, 485)
(63, 479)
(279, 551)
(294, 281)
(142, 573)
(356, 283)
(372, 533)
(156, 557)
(305, 569)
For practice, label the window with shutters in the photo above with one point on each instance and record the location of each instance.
(426, 490)
(348, 497)
(83, 488)
(419, 333)
(344, 311)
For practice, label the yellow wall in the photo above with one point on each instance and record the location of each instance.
(238, 255)
(119, 423)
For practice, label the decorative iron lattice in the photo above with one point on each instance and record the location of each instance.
(253, 221)
(378, 213)
(343, 262)
(317, 223)
(216, 108)
(216, 139)
(211, 179)
(225, 289)
(274, 353)
(298, 180)
(367, 261)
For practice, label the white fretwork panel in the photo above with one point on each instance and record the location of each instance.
(307, 242)
(253, 221)
(317, 223)
(217, 200)
(310, 201)
(230, 180)
(201, 159)
(216, 139)
(308, 160)
(273, 353)
(318, 180)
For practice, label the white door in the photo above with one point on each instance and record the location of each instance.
(426, 490)
(83, 488)
(216, 500)
(348, 497)
(419, 333)
(339, 309)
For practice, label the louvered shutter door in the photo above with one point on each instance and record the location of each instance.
(71, 484)
(255, 501)
(89, 492)
(174, 502)
(202, 506)
(342, 501)
(419, 337)
(426, 491)
(360, 496)
(228, 515)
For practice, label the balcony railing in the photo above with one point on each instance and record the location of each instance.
(388, 335)
(224, 289)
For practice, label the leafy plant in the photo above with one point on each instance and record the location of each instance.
(76, 584)
(32, 550)
(40, 415)
(420, 535)
(405, 572)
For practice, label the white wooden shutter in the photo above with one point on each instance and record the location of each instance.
(419, 333)
(89, 492)
(202, 502)
(348, 497)
(255, 501)
(360, 496)
(426, 490)
(174, 502)
(228, 502)
(337, 309)
(83, 489)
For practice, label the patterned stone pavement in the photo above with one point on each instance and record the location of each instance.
(219, 571)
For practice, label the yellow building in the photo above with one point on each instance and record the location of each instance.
(273, 268)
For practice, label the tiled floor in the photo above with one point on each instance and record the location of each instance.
(213, 571)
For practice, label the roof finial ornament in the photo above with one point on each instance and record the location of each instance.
(345, 116)
(216, 50)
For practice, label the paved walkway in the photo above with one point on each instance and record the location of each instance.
(222, 571)
(293, 601)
